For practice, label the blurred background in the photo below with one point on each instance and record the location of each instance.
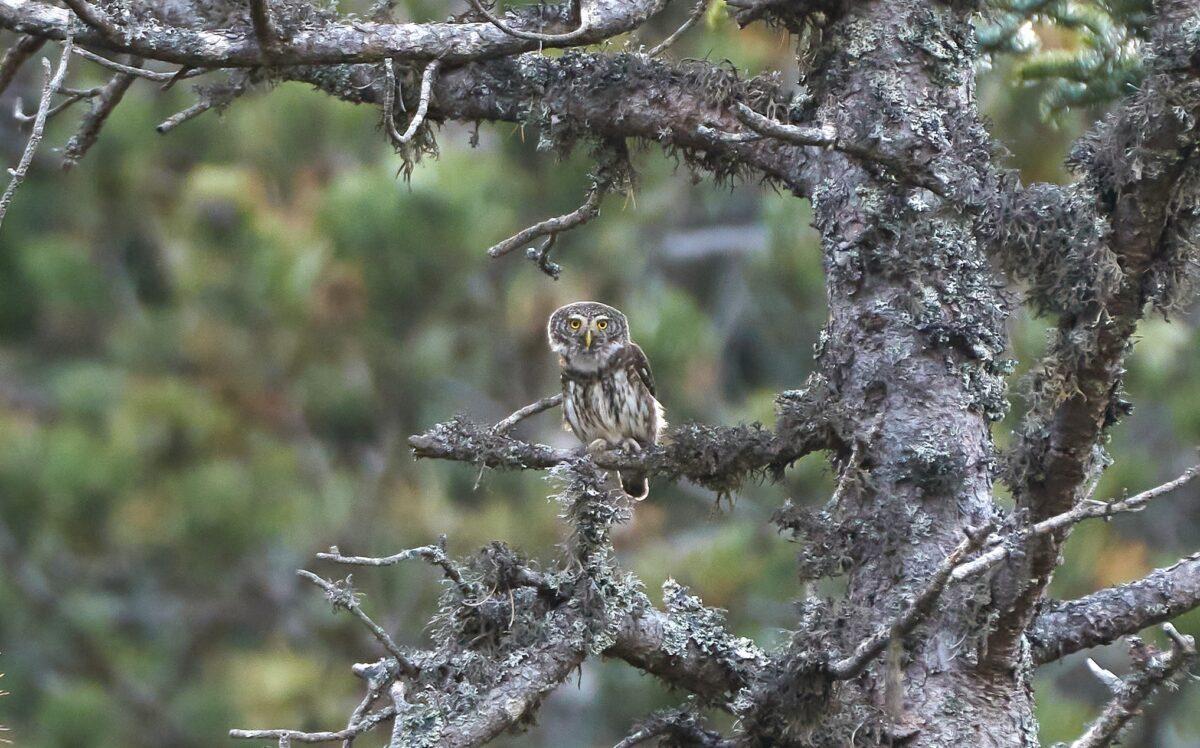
(214, 343)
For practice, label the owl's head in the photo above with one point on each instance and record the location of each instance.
(585, 329)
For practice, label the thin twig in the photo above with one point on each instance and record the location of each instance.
(434, 554)
(916, 611)
(74, 96)
(342, 596)
(215, 96)
(15, 57)
(1083, 510)
(693, 17)
(418, 118)
(496, 21)
(1156, 669)
(546, 403)
(374, 691)
(827, 138)
(89, 129)
(152, 75)
(368, 723)
(264, 30)
(581, 215)
(53, 83)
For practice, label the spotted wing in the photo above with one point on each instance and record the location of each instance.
(639, 365)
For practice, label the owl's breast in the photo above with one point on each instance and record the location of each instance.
(612, 407)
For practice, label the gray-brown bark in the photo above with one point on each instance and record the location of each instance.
(920, 228)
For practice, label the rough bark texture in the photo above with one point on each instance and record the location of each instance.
(921, 234)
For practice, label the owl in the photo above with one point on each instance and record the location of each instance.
(608, 390)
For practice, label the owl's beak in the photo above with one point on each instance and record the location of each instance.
(587, 340)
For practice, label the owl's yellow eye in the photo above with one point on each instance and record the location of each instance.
(575, 324)
(602, 324)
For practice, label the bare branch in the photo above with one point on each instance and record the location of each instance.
(389, 117)
(828, 138)
(139, 72)
(1082, 511)
(53, 81)
(696, 14)
(434, 554)
(1154, 670)
(553, 226)
(342, 595)
(15, 57)
(682, 725)
(916, 612)
(89, 129)
(73, 96)
(496, 21)
(367, 724)
(1106, 615)
(212, 97)
(546, 403)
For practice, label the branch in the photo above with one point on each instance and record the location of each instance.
(216, 96)
(570, 36)
(683, 726)
(138, 72)
(15, 57)
(342, 595)
(368, 723)
(1104, 616)
(357, 41)
(902, 170)
(96, 18)
(693, 17)
(53, 81)
(434, 554)
(553, 227)
(1084, 510)
(917, 611)
(89, 129)
(546, 403)
(414, 124)
(264, 30)
(1154, 670)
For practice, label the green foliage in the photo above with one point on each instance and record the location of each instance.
(1081, 52)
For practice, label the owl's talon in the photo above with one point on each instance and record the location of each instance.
(631, 446)
(597, 447)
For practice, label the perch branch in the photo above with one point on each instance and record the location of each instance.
(1154, 670)
(53, 82)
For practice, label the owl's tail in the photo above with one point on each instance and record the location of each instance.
(634, 485)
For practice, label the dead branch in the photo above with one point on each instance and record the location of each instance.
(546, 403)
(342, 595)
(89, 129)
(683, 726)
(367, 724)
(696, 14)
(53, 81)
(96, 18)
(553, 226)
(828, 138)
(1084, 510)
(15, 57)
(213, 97)
(433, 554)
(139, 72)
(499, 23)
(1154, 669)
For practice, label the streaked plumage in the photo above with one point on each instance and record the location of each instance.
(609, 397)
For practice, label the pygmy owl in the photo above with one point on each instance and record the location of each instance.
(608, 390)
